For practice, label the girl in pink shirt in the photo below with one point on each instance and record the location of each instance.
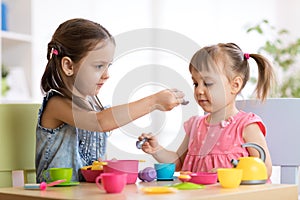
(219, 73)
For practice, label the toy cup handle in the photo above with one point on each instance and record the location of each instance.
(46, 175)
(98, 184)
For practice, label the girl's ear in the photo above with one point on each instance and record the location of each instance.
(67, 66)
(236, 85)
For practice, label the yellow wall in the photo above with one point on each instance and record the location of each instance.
(17, 140)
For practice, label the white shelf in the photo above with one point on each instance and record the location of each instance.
(16, 50)
(5, 35)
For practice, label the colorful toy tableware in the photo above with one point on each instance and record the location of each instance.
(158, 190)
(230, 177)
(54, 174)
(204, 178)
(90, 175)
(164, 171)
(111, 182)
(140, 143)
(130, 167)
(42, 185)
(254, 169)
(148, 174)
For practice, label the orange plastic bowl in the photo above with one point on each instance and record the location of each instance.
(204, 178)
(90, 175)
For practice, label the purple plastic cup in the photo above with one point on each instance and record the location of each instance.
(147, 175)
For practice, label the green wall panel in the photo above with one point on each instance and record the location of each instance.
(17, 138)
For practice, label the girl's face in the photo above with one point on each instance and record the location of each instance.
(212, 90)
(93, 70)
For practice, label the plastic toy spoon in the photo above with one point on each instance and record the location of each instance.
(185, 102)
(42, 185)
(140, 143)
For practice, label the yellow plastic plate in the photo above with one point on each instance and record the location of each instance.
(158, 190)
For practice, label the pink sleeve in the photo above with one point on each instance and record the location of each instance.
(253, 118)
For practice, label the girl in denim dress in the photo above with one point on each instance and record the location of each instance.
(72, 123)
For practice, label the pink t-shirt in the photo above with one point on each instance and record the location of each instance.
(224, 139)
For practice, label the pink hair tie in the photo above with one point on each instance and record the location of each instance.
(247, 56)
(53, 51)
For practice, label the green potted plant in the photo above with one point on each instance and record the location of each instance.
(284, 54)
(4, 74)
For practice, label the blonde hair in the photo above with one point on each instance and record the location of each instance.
(234, 62)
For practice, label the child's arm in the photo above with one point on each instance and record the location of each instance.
(60, 110)
(163, 155)
(252, 133)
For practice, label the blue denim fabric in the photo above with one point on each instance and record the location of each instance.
(66, 146)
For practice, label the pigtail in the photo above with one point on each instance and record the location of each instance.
(52, 78)
(235, 63)
(266, 76)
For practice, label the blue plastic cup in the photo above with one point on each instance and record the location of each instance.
(164, 170)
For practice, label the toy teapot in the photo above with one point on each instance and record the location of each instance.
(254, 169)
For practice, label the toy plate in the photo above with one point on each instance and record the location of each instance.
(158, 190)
(187, 186)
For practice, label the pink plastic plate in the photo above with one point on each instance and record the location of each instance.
(204, 178)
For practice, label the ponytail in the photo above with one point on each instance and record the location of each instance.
(266, 76)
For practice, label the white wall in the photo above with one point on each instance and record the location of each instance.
(204, 22)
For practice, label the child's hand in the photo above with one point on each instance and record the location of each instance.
(168, 99)
(151, 146)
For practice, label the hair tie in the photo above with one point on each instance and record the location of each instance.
(53, 51)
(247, 56)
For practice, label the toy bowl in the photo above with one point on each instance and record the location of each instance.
(129, 167)
(204, 178)
(90, 175)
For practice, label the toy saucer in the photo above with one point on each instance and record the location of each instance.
(166, 179)
(187, 186)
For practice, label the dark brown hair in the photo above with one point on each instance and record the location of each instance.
(234, 62)
(73, 38)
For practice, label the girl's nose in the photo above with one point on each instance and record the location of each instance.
(105, 74)
(200, 90)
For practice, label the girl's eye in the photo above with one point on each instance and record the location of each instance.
(99, 66)
(195, 84)
(208, 84)
(102, 66)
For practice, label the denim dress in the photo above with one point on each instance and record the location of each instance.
(66, 146)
